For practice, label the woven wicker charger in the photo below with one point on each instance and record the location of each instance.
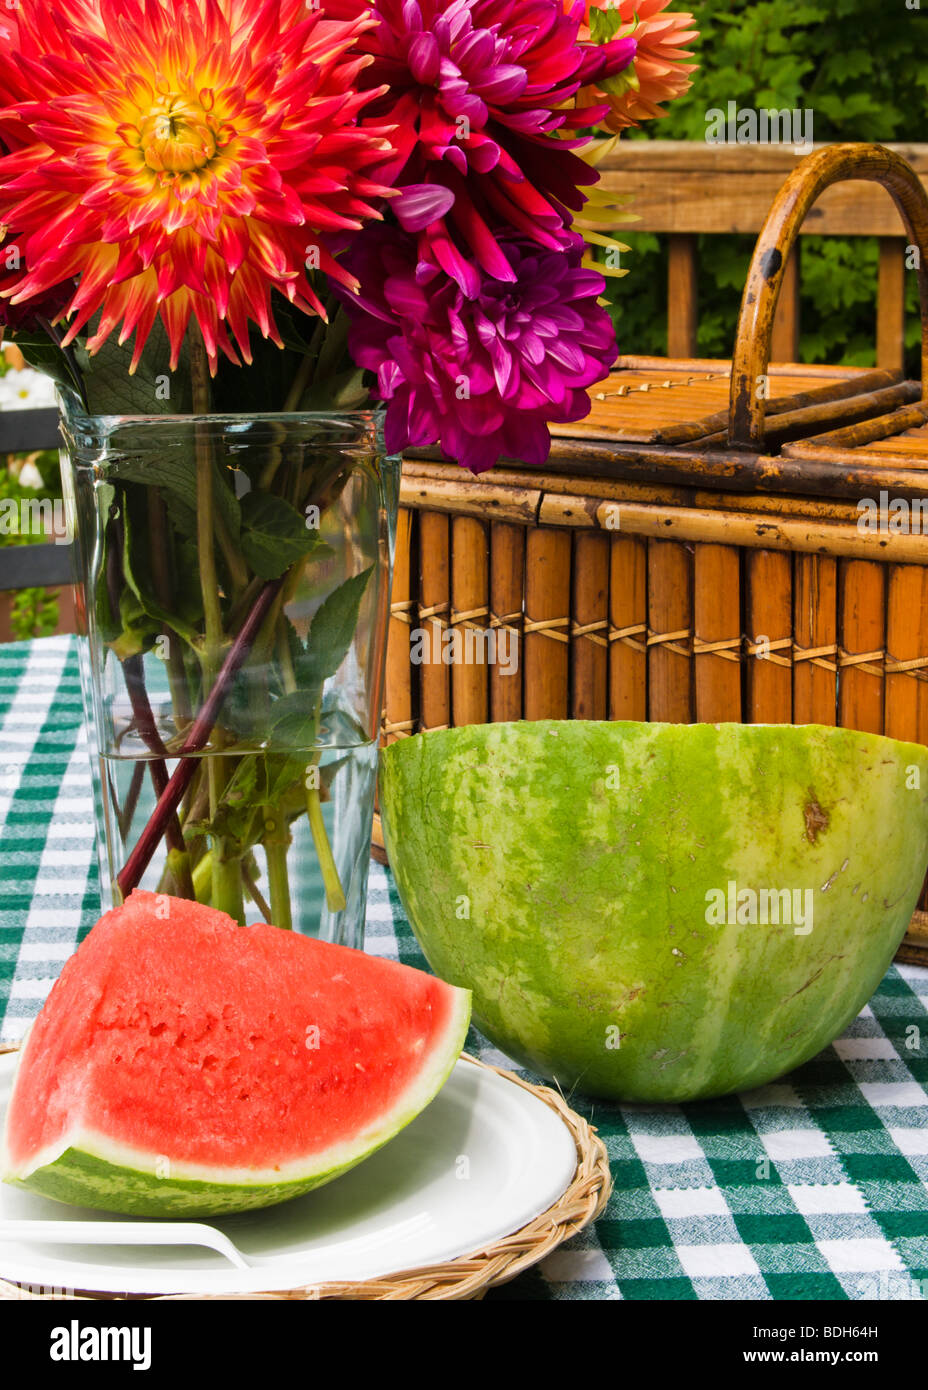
(469, 1276)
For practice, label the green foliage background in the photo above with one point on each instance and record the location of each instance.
(862, 67)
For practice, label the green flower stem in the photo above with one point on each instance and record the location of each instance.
(334, 892)
(227, 885)
(242, 606)
(203, 878)
(178, 866)
(177, 683)
(334, 345)
(300, 382)
(159, 554)
(226, 868)
(255, 893)
(238, 570)
(196, 741)
(126, 813)
(306, 371)
(196, 798)
(206, 556)
(276, 843)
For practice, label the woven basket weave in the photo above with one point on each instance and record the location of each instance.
(469, 1276)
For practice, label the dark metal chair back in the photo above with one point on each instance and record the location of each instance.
(47, 564)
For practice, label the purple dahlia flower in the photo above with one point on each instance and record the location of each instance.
(482, 377)
(479, 92)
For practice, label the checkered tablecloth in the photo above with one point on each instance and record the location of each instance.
(815, 1187)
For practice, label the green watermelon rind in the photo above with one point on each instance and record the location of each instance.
(580, 854)
(90, 1172)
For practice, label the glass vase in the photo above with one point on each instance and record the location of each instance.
(234, 585)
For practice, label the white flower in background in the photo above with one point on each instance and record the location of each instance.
(29, 476)
(26, 389)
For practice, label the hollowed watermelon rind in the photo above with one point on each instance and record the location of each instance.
(586, 852)
(92, 1172)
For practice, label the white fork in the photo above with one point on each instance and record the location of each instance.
(121, 1233)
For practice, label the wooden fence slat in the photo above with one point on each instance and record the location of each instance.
(682, 296)
(707, 201)
(890, 320)
(784, 341)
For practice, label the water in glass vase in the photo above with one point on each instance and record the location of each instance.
(299, 860)
(235, 590)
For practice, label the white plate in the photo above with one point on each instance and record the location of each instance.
(484, 1159)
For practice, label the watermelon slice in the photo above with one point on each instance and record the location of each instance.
(184, 1065)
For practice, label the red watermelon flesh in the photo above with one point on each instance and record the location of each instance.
(185, 1064)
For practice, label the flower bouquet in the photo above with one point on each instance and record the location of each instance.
(262, 246)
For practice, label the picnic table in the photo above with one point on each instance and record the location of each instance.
(815, 1187)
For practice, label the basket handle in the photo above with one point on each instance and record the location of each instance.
(818, 171)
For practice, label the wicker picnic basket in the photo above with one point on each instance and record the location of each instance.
(681, 533)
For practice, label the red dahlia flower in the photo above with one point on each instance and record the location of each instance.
(484, 375)
(182, 157)
(479, 91)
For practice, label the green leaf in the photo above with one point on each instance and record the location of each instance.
(259, 780)
(153, 389)
(345, 391)
(295, 328)
(262, 385)
(235, 813)
(295, 716)
(286, 782)
(138, 630)
(604, 24)
(295, 719)
(137, 570)
(174, 474)
(332, 631)
(274, 534)
(46, 356)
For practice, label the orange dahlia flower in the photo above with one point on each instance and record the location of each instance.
(659, 71)
(179, 157)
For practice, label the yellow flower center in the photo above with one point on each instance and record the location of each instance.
(177, 136)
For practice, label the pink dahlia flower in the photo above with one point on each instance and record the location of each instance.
(183, 158)
(483, 376)
(479, 91)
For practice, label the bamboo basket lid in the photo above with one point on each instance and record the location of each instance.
(896, 439)
(655, 400)
(911, 443)
(469, 1276)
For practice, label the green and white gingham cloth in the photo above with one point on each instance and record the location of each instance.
(815, 1187)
